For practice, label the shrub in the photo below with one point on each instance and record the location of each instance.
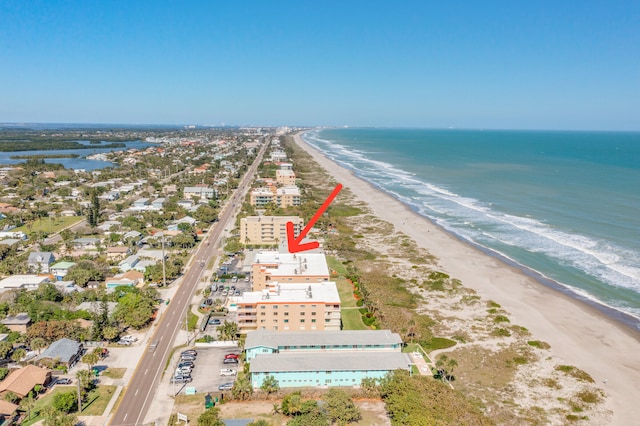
(538, 344)
(501, 332)
(500, 318)
(575, 373)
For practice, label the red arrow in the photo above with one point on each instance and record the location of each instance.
(294, 243)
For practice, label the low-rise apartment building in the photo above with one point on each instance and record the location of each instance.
(291, 307)
(324, 358)
(259, 230)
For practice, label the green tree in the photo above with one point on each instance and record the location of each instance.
(11, 397)
(65, 401)
(5, 348)
(292, 404)
(53, 417)
(110, 332)
(93, 212)
(38, 343)
(27, 404)
(4, 372)
(206, 214)
(134, 310)
(83, 272)
(91, 359)
(340, 407)
(270, 385)
(242, 388)
(18, 354)
(210, 417)
(228, 331)
(310, 415)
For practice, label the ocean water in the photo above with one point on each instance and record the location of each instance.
(563, 204)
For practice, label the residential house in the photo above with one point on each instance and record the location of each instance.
(259, 230)
(86, 243)
(118, 252)
(202, 192)
(8, 412)
(157, 204)
(39, 261)
(29, 282)
(128, 263)
(67, 213)
(64, 351)
(19, 322)
(291, 307)
(23, 380)
(186, 204)
(67, 287)
(140, 204)
(60, 269)
(128, 279)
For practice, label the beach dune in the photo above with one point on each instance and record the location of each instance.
(578, 333)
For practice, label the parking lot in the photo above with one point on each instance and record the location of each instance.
(206, 374)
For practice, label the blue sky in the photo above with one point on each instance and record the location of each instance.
(496, 64)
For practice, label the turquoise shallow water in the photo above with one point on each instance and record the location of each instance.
(564, 204)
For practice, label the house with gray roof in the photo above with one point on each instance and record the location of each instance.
(64, 351)
(39, 261)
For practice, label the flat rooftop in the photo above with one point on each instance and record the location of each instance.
(290, 264)
(329, 361)
(333, 338)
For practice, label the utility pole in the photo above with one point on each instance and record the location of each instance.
(164, 269)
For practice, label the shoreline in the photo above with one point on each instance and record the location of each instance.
(578, 332)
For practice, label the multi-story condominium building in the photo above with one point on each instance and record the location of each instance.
(284, 197)
(288, 268)
(291, 307)
(259, 230)
(285, 177)
(323, 359)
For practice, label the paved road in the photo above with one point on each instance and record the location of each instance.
(142, 387)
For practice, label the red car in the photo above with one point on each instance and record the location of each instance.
(231, 356)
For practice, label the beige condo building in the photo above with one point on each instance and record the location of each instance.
(291, 307)
(287, 268)
(284, 197)
(260, 230)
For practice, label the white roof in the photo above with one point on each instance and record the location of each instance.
(294, 264)
(331, 338)
(17, 281)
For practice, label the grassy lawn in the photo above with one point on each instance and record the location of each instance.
(95, 405)
(345, 290)
(114, 373)
(192, 319)
(352, 319)
(49, 225)
(336, 265)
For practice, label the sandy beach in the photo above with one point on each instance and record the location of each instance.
(578, 334)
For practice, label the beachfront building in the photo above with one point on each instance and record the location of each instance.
(288, 268)
(323, 359)
(260, 230)
(284, 197)
(291, 307)
(261, 342)
(285, 177)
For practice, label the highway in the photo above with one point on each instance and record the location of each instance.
(142, 387)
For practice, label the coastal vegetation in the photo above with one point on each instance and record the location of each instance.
(49, 145)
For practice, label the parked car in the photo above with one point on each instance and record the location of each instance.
(227, 372)
(124, 342)
(214, 321)
(189, 364)
(129, 338)
(189, 352)
(226, 386)
(225, 292)
(187, 357)
(183, 371)
(181, 379)
(63, 381)
(234, 356)
(230, 361)
(237, 293)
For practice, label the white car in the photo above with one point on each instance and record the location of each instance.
(227, 372)
(129, 338)
(183, 371)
